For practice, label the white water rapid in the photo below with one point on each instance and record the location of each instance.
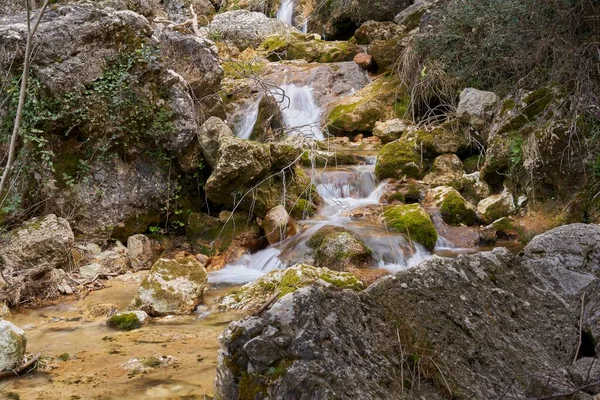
(301, 113)
(244, 129)
(286, 11)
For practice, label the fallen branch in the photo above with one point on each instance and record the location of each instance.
(267, 304)
(22, 370)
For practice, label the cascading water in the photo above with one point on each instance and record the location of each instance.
(342, 190)
(300, 111)
(286, 11)
(244, 129)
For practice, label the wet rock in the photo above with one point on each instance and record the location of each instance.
(210, 135)
(454, 208)
(278, 225)
(253, 295)
(245, 28)
(12, 346)
(195, 59)
(174, 286)
(390, 130)
(568, 257)
(338, 249)
(142, 251)
(375, 30)
(359, 112)
(495, 207)
(305, 47)
(477, 107)
(31, 253)
(413, 221)
(447, 171)
(127, 321)
(398, 159)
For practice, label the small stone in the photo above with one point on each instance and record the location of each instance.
(278, 225)
(364, 60)
(90, 271)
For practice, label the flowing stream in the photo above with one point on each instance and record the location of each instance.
(286, 11)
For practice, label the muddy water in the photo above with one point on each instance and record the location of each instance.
(96, 354)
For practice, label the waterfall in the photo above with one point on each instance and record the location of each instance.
(244, 128)
(248, 268)
(300, 111)
(286, 11)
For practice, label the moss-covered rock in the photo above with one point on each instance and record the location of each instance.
(174, 286)
(391, 130)
(252, 296)
(446, 138)
(306, 47)
(371, 31)
(199, 224)
(127, 321)
(337, 248)
(398, 159)
(359, 112)
(387, 52)
(454, 208)
(413, 221)
(13, 344)
(269, 122)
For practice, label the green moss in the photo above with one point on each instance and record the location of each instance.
(412, 193)
(397, 159)
(395, 196)
(507, 106)
(473, 163)
(124, 322)
(413, 221)
(64, 357)
(455, 210)
(302, 208)
(537, 102)
(317, 239)
(151, 362)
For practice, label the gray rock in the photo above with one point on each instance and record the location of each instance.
(410, 17)
(31, 253)
(142, 252)
(12, 346)
(447, 171)
(212, 131)
(174, 286)
(278, 225)
(567, 257)
(388, 131)
(477, 107)
(247, 29)
(90, 271)
(496, 206)
(497, 332)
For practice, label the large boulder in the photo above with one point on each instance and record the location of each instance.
(306, 47)
(443, 139)
(337, 248)
(174, 286)
(413, 221)
(31, 256)
(253, 295)
(477, 107)
(411, 16)
(12, 346)
(447, 171)
(278, 225)
(496, 333)
(567, 257)
(246, 28)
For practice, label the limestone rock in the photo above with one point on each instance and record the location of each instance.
(390, 130)
(386, 53)
(447, 171)
(174, 286)
(410, 17)
(128, 321)
(278, 225)
(474, 189)
(245, 28)
(477, 107)
(495, 207)
(364, 60)
(397, 159)
(142, 251)
(12, 346)
(305, 47)
(212, 131)
(253, 295)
